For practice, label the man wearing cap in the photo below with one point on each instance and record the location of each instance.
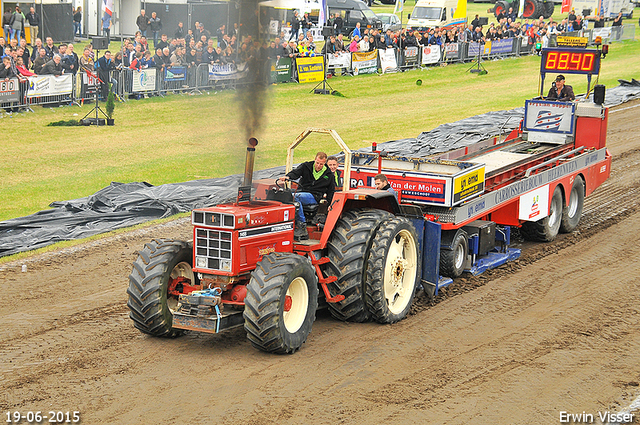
(561, 91)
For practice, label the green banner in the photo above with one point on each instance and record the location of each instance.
(281, 70)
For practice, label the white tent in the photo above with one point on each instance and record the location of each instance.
(301, 5)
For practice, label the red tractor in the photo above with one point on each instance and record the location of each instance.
(367, 259)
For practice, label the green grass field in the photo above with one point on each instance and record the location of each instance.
(180, 137)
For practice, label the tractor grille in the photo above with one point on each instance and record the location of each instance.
(213, 249)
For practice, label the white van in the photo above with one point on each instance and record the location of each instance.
(438, 13)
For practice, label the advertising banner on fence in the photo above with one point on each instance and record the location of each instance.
(310, 70)
(388, 61)
(364, 63)
(502, 46)
(227, 71)
(9, 91)
(175, 73)
(339, 60)
(473, 48)
(281, 70)
(144, 80)
(50, 85)
(411, 56)
(430, 54)
(451, 51)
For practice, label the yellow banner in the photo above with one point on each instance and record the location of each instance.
(310, 70)
(572, 41)
(468, 184)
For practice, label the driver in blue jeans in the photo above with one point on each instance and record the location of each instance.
(316, 181)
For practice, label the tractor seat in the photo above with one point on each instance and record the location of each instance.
(310, 210)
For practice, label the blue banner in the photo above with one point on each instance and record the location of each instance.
(504, 45)
(175, 73)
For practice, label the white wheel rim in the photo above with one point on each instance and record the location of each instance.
(554, 213)
(400, 271)
(573, 202)
(459, 256)
(182, 269)
(299, 295)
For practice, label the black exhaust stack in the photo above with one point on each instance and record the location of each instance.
(244, 191)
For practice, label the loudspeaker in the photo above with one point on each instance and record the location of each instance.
(100, 43)
(598, 94)
(483, 20)
(327, 31)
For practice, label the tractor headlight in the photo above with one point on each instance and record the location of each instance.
(225, 265)
(201, 262)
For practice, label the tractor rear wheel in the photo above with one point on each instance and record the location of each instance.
(532, 9)
(501, 7)
(546, 229)
(572, 213)
(548, 7)
(281, 303)
(348, 250)
(150, 304)
(393, 270)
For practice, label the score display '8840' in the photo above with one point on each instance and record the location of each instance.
(51, 417)
(578, 61)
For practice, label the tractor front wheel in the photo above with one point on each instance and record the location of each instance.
(281, 303)
(159, 264)
(393, 270)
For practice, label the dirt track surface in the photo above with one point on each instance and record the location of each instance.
(555, 331)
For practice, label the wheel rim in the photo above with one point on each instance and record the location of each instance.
(459, 256)
(554, 214)
(528, 9)
(182, 269)
(296, 304)
(573, 202)
(400, 271)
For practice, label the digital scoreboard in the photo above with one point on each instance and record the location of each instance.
(570, 61)
(567, 60)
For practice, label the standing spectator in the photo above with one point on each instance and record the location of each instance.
(36, 50)
(26, 54)
(340, 43)
(34, 21)
(210, 55)
(189, 37)
(142, 22)
(179, 33)
(2, 45)
(204, 31)
(6, 23)
(162, 43)
(156, 26)
(86, 61)
(50, 48)
(306, 23)
(295, 26)
(220, 33)
(147, 61)
(618, 21)
(106, 26)
(157, 59)
(72, 59)
(39, 62)
(64, 59)
(17, 23)
(166, 57)
(77, 19)
(53, 67)
(338, 23)
(356, 30)
(6, 70)
(22, 70)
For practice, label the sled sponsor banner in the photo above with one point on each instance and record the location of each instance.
(9, 91)
(227, 71)
(388, 61)
(339, 60)
(551, 117)
(535, 204)
(502, 46)
(430, 54)
(144, 80)
(175, 73)
(50, 85)
(364, 62)
(310, 70)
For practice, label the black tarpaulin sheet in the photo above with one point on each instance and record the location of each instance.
(125, 204)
